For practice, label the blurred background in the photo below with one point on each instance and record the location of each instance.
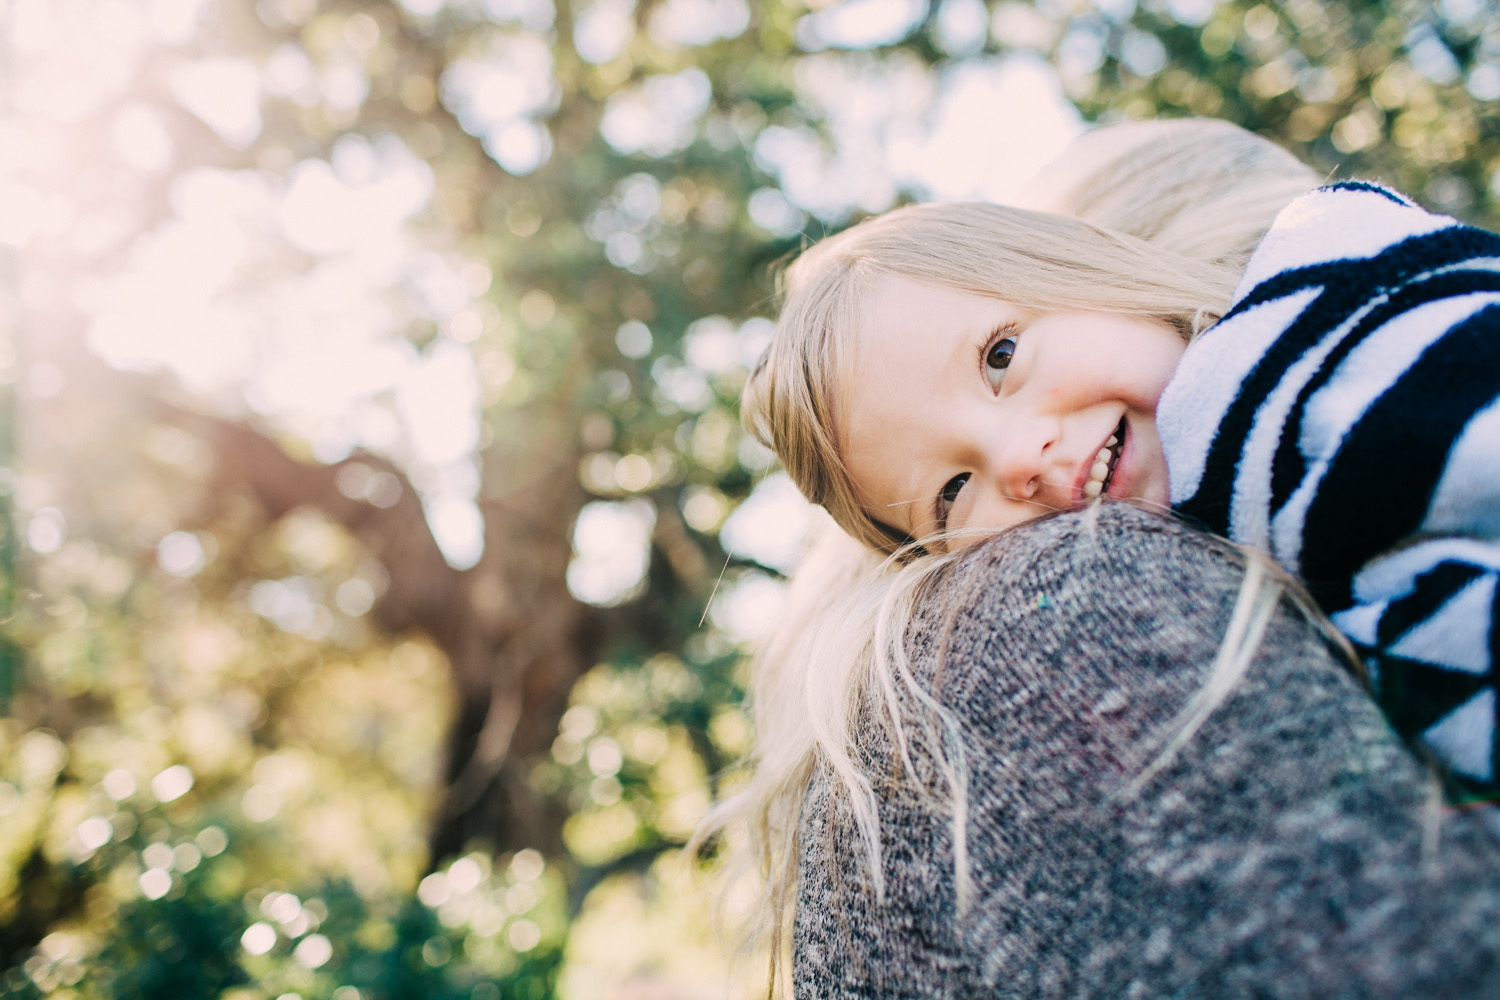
(380, 546)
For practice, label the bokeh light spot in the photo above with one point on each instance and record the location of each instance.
(433, 890)
(313, 951)
(155, 883)
(527, 865)
(524, 935)
(118, 784)
(633, 339)
(186, 857)
(259, 938)
(172, 783)
(157, 856)
(95, 832)
(859, 24)
(180, 553)
(212, 841)
(612, 546)
(464, 875)
(46, 530)
(225, 94)
(771, 526)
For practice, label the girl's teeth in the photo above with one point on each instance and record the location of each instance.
(1099, 471)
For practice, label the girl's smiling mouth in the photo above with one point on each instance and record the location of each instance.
(1101, 471)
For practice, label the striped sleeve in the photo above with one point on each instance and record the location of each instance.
(1423, 620)
(1345, 417)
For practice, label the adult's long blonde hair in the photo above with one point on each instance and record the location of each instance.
(1167, 214)
(1198, 187)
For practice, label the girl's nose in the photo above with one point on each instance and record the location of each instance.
(1019, 460)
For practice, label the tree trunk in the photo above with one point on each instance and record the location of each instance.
(515, 639)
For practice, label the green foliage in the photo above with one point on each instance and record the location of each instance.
(191, 930)
(181, 946)
(1396, 91)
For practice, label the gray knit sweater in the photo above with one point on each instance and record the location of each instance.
(1293, 848)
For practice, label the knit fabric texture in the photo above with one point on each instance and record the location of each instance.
(1345, 417)
(1293, 847)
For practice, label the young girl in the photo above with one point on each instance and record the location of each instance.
(970, 367)
(946, 371)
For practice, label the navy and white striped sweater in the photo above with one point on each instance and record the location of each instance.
(1345, 417)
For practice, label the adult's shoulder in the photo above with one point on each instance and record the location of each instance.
(1078, 550)
(1138, 813)
(1111, 574)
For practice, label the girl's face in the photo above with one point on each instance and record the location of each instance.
(969, 412)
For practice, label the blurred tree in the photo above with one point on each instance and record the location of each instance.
(376, 367)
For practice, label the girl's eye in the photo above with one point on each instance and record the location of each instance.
(997, 359)
(949, 497)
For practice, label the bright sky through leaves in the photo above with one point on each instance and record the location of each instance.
(278, 288)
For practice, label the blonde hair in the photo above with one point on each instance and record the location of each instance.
(1167, 215)
(1198, 187)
